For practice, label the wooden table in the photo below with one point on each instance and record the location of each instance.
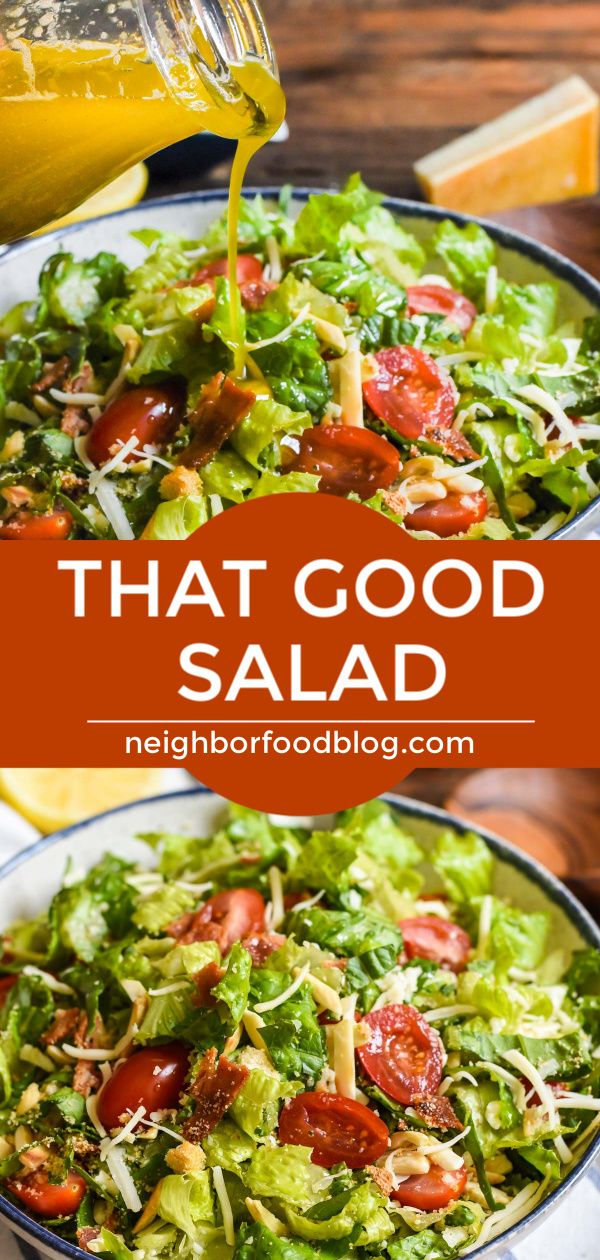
(374, 84)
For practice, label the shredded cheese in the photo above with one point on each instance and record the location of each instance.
(491, 289)
(31, 1054)
(485, 926)
(323, 994)
(283, 334)
(277, 905)
(274, 266)
(225, 1205)
(98, 475)
(342, 1044)
(114, 512)
(541, 397)
(287, 993)
(330, 334)
(543, 1091)
(516, 1086)
(117, 1166)
(252, 1022)
(449, 1012)
(350, 384)
(57, 986)
(260, 1213)
(76, 400)
(124, 1133)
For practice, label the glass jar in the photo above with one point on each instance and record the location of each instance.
(88, 88)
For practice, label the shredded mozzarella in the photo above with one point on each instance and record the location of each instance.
(330, 334)
(277, 906)
(91, 1106)
(491, 289)
(485, 926)
(76, 400)
(176, 987)
(123, 1180)
(114, 511)
(128, 1128)
(57, 986)
(323, 994)
(133, 988)
(283, 334)
(509, 1215)
(518, 1060)
(351, 395)
(541, 397)
(562, 1150)
(252, 1023)
(225, 1205)
(274, 265)
(516, 1086)
(287, 993)
(449, 1012)
(98, 475)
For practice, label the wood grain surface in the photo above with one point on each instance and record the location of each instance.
(375, 84)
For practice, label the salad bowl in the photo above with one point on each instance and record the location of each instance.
(29, 879)
(521, 261)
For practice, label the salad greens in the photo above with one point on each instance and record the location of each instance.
(412, 376)
(277, 1044)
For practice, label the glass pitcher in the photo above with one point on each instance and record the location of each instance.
(89, 87)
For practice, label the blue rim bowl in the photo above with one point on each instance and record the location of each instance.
(558, 267)
(554, 892)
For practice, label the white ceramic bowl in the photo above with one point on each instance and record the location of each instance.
(30, 879)
(522, 260)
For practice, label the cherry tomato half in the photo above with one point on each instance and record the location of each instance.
(438, 299)
(340, 1130)
(433, 1190)
(151, 413)
(46, 527)
(452, 515)
(410, 392)
(227, 917)
(405, 1056)
(347, 459)
(436, 939)
(248, 267)
(38, 1194)
(152, 1078)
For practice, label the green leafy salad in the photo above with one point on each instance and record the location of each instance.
(276, 1045)
(349, 359)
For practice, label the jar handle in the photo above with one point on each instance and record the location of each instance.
(209, 36)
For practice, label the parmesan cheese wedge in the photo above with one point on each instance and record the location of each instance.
(544, 150)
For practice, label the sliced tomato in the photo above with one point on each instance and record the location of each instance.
(32, 527)
(227, 917)
(347, 459)
(452, 515)
(438, 299)
(340, 1130)
(405, 1056)
(410, 392)
(150, 413)
(433, 1190)
(40, 1196)
(436, 939)
(248, 268)
(152, 1078)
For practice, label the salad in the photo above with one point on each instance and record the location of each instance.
(276, 1045)
(413, 377)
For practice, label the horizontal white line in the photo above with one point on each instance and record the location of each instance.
(310, 721)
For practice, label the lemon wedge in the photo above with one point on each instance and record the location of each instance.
(120, 194)
(53, 799)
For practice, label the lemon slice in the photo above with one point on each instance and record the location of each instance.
(52, 799)
(120, 194)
